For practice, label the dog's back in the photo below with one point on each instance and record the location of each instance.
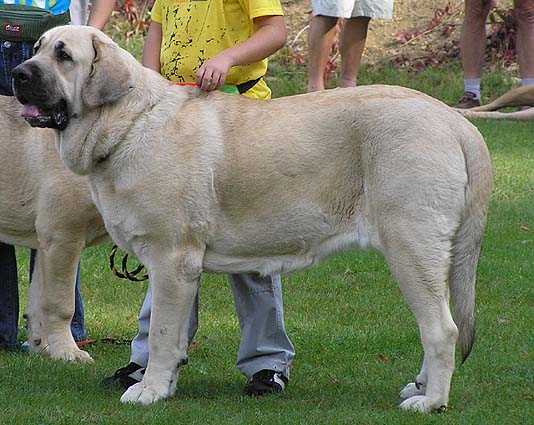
(325, 178)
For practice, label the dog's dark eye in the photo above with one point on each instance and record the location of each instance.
(63, 56)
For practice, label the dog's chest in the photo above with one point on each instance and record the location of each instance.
(119, 213)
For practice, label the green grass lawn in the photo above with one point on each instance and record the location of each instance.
(357, 343)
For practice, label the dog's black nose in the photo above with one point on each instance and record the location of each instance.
(21, 73)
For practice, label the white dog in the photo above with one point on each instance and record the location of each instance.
(46, 207)
(191, 182)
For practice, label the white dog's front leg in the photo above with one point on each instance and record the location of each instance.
(37, 341)
(51, 304)
(173, 293)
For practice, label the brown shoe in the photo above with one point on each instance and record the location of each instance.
(468, 101)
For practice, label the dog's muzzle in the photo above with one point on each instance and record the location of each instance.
(40, 108)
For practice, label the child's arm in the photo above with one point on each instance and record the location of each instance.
(269, 37)
(152, 47)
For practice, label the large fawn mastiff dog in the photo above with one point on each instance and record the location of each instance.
(191, 182)
(45, 206)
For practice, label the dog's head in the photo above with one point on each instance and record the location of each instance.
(74, 68)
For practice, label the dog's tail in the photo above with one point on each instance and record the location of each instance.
(468, 238)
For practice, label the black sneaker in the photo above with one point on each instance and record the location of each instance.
(125, 377)
(266, 382)
(469, 100)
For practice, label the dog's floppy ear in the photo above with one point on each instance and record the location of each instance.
(109, 80)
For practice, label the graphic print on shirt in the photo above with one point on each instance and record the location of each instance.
(196, 30)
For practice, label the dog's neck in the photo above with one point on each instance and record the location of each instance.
(93, 135)
(83, 142)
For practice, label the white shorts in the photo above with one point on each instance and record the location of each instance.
(382, 9)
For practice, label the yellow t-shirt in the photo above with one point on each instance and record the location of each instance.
(196, 30)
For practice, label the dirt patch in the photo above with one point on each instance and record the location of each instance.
(411, 18)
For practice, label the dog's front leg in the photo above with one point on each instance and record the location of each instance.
(51, 303)
(37, 340)
(174, 285)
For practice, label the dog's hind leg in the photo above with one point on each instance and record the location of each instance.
(174, 279)
(419, 260)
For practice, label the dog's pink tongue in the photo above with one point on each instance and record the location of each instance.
(30, 111)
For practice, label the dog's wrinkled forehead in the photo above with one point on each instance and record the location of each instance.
(54, 50)
(67, 40)
(58, 45)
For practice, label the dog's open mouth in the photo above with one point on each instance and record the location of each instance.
(56, 117)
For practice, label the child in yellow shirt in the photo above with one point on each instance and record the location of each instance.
(215, 42)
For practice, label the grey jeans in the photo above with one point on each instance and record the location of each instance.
(264, 342)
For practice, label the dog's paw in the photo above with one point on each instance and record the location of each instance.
(412, 389)
(423, 404)
(70, 355)
(142, 394)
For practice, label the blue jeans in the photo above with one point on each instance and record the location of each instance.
(11, 55)
(9, 300)
(9, 297)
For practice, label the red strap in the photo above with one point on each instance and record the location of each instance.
(176, 83)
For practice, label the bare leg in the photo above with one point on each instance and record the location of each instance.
(320, 39)
(524, 10)
(472, 39)
(352, 43)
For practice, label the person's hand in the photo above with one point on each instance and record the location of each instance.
(213, 72)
